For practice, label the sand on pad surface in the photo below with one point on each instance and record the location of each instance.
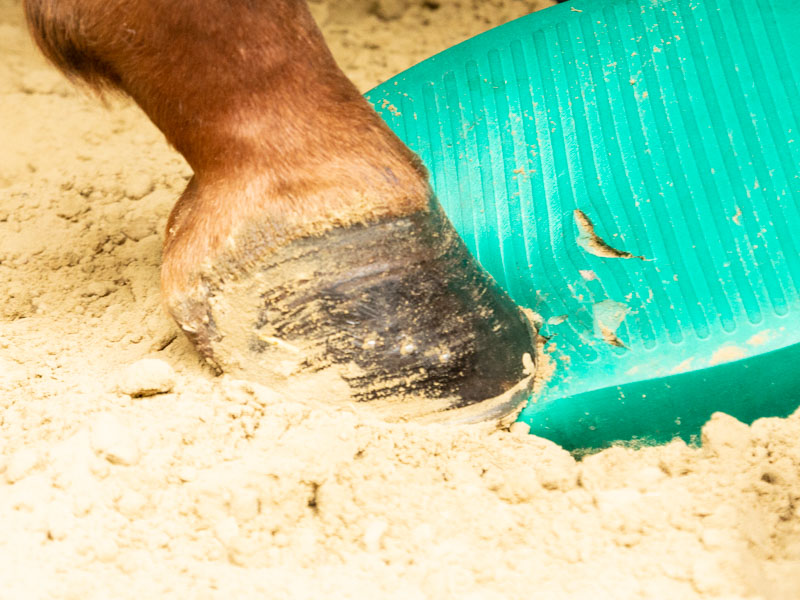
(155, 479)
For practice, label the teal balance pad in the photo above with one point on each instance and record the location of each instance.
(630, 171)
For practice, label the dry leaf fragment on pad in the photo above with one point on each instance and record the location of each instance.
(594, 244)
(608, 316)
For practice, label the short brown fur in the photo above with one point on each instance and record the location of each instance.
(249, 93)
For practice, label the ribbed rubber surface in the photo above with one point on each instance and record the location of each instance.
(674, 125)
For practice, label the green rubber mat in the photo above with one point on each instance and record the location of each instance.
(630, 170)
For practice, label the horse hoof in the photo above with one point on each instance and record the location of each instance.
(396, 313)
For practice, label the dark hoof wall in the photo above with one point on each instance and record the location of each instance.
(398, 310)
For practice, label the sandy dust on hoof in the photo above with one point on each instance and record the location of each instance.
(187, 485)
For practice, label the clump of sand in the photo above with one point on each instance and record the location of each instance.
(156, 479)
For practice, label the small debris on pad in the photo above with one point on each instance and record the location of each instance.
(608, 316)
(146, 377)
(594, 244)
(114, 441)
(726, 354)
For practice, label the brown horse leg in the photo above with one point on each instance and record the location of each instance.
(307, 239)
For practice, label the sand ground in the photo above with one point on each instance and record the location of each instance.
(216, 488)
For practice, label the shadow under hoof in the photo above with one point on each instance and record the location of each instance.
(398, 310)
